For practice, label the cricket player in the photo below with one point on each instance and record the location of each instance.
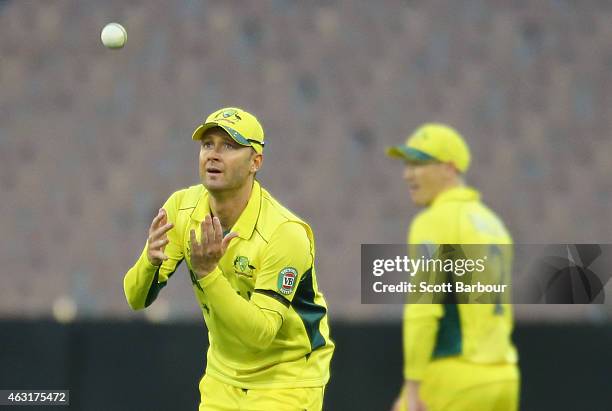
(251, 262)
(457, 357)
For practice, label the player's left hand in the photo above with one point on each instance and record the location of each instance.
(409, 398)
(413, 396)
(206, 255)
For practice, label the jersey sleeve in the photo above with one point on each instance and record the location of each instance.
(420, 329)
(143, 282)
(287, 256)
(421, 321)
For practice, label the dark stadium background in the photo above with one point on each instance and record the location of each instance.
(92, 141)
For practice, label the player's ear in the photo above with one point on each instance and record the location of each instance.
(452, 173)
(450, 169)
(256, 162)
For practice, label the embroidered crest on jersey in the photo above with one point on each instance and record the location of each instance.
(287, 278)
(242, 266)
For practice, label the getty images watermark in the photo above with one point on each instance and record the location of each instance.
(485, 273)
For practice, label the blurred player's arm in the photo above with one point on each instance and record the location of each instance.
(159, 259)
(257, 321)
(420, 329)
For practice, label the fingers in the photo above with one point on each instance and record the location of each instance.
(210, 230)
(193, 241)
(212, 235)
(159, 243)
(157, 240)
(158, 255)
(206, 255)
(160, 232)
(159, 226)
(217, 229)
(161, 214)
(212, 240)
(226, 240)
(204, 231)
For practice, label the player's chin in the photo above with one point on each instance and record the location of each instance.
(213, 182)
(417, 198)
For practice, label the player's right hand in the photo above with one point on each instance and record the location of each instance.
(157, 240)
(400, 404)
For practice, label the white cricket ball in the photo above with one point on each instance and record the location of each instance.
(113, 36)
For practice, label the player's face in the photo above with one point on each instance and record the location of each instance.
(225, 165)
(426, 181)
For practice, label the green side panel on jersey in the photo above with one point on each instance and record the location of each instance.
(157, 287)
(154, 289)
(310, 313)
(449, 340)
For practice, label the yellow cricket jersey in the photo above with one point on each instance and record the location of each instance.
(266, 318)
(476, 333)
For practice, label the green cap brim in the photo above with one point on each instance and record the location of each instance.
(408, 153)
(236, 136)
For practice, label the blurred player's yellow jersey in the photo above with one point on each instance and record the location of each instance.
(269, 265)
(475, 333)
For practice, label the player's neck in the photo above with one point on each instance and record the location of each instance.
(229, 205)
(449, 185)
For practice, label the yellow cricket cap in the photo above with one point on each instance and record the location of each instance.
(241, 125)
(434, 142)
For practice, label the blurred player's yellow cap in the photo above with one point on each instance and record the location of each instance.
(434, 142)
(242, 126)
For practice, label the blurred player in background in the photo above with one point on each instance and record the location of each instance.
(457, 357)
(251, 262)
